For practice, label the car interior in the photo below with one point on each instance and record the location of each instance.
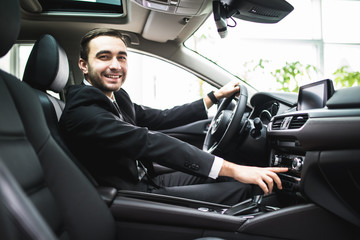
(45, 193)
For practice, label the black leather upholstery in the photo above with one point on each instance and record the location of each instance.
(9, 25)
(61, 193)
(25, 221)
(43, 193)
(48, 69)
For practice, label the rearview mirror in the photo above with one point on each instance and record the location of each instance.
(261, 11)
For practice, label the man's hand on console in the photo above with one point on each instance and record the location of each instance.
(264, 177)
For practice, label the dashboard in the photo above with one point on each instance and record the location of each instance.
(269, 104)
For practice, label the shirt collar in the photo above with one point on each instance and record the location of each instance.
(86, 83)
(89, 84)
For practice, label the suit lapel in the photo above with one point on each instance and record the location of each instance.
(126, 106)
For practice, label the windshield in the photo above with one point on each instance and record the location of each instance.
(317, 40)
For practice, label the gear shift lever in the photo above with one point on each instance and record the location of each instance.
(246, 207)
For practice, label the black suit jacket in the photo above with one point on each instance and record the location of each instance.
(108, 144)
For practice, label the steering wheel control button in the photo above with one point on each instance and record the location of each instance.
(220, 124)
(216, 123)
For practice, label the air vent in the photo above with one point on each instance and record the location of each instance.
(289, 122)
(298, 121)
(277, 123)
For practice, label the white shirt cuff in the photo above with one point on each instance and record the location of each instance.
(206, 110)
(216, 167)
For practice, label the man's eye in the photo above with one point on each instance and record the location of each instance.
(122, 57)
(103, 57)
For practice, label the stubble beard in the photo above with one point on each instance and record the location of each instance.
(97, 82)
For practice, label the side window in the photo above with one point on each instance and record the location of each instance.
(5, 63)
(159, 84)
(14, 62)
(151, 82)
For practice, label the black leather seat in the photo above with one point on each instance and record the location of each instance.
(48, 69)
(43, 194)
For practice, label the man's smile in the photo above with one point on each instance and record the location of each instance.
(113, 76)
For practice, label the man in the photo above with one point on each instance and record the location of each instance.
(117, 140)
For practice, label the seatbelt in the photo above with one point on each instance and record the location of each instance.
(144, 169)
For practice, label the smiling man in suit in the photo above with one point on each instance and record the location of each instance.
(117, 140)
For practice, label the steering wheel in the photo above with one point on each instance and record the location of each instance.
(226, 123)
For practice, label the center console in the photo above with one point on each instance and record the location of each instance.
(285, 130)
(291, 179)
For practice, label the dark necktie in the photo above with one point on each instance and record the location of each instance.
(142, 170)
(118, 110)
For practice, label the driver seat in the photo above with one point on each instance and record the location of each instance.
(48, 69)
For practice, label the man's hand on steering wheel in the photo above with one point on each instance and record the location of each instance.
(226, 91)
(226, 123)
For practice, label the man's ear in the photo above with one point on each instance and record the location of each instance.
(83, 66)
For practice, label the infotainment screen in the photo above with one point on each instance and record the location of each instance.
(315, 95)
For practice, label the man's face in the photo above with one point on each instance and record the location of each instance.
(106, 67)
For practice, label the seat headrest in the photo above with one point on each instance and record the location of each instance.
(47, 67)
(9, 24)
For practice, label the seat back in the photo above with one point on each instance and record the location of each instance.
(19, 219)
(43, 193)
(48, 69)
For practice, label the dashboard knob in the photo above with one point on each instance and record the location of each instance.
(297, 164)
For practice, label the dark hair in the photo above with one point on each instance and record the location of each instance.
(84, 43)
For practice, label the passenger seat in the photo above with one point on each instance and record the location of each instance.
(43, 194)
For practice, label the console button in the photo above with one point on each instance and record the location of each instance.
(277, 160)
(297, 164)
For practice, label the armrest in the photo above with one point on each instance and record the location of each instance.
(138, 210)
(108, 194)
(178, 201)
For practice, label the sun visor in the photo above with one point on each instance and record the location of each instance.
(179, 7)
